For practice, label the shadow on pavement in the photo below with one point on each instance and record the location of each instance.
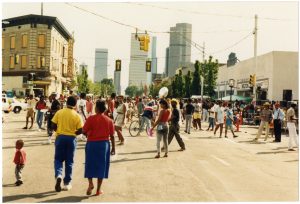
(204, 138)
(9, 185)
(252, 142)
(26, 145)
(275, 152)
(36, 196)
(24, 137)
(127, 160)
(68, 199)
(296, 160)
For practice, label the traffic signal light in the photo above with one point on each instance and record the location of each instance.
(144, 42)
(148, 66)
(118, 65)
(252, 80)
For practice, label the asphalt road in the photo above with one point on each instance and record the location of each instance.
(211, 169)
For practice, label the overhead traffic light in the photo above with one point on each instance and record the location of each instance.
(144, 42)
(148, 66)
(252, 80)
(118, 65)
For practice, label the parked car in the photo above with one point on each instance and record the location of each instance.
(12, 104)
(6, 108)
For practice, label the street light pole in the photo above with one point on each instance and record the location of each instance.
(255, 53)
(31, 87)
(202, 83)
(231, 85)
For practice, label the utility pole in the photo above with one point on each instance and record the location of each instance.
(255, 54)
(203, 52)
(42, 8)
(202, 84)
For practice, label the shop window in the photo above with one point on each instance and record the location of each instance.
(41, 41)
(24, 40)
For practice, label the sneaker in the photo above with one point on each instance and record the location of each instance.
(19, 183)
(25, 128)
(67, 187)
(39, 130)
(226, 137)
(57, 185)
(181, 149)
(49, 141)
(291, 150)
(234, 136)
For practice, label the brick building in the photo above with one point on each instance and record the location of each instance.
(38, 46)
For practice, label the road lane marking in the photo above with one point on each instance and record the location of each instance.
(220, 160)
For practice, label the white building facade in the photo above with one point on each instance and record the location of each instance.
(276, 71)
(101, 58)
(137, 66)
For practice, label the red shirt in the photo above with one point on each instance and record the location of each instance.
(20, 157)
(165, 115)
(41, 105)
(98, 127)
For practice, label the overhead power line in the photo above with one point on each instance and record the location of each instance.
(209, 14)
(241, 40)
(149, 30)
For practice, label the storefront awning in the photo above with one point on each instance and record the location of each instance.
(235, 97)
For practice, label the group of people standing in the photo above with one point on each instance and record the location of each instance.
(96, 121)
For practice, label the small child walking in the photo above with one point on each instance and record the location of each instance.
(19, 160)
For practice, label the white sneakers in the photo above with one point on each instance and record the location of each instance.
(67, 187)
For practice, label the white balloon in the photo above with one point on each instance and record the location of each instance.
(163, 92)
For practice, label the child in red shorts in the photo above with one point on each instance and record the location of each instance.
(19, 160)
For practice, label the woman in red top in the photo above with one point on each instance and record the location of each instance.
(41, 104)
(98, 128)
(162, 128)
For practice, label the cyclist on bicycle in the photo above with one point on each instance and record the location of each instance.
(146, 118)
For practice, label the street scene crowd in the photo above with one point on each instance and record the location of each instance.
(95, 120)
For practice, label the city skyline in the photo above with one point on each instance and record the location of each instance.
(218, 26)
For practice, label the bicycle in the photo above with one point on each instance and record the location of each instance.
(135, 127)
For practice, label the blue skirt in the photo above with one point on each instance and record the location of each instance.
(97, 159)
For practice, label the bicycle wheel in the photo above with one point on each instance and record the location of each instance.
(134, 128)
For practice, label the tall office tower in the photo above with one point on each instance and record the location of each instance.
(137, 65)
(167, 62)
(153, 56)
(117, 82)
(180, 47)
(100, 71)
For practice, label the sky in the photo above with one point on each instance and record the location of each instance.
(224, 27)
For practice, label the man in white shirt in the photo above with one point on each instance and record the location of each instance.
(219, 117)
(31, 102)
(82, 112)
(291, 124)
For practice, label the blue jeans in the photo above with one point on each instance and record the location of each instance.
(39, 118)
(211, 123)
(64, 152)
(147, 121)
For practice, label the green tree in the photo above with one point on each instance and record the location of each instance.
(195, 87)
(132, 90)
(187, 87)
(209, 70)
(82, 81)
(180, 85)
